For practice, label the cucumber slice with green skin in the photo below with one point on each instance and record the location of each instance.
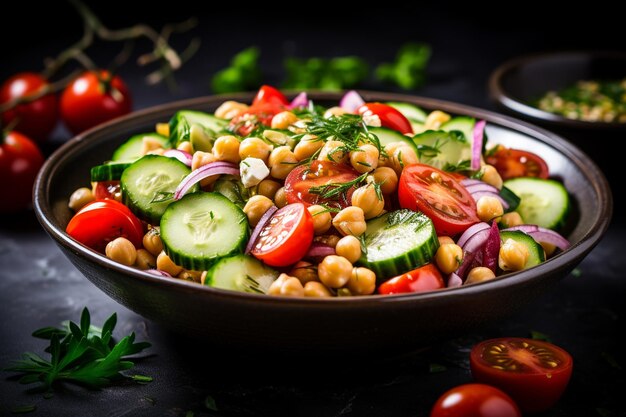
(542, 202)
(418, 127)
(398, 242)
(231, 187)
(410, 111)
(536, 253)
(443, 150)
(148, 185)
(131, 149)
(241, 273)
(511, 198)
(108, 172)
(462, 124)
(181, 122)
(387, 136)
(201, 228)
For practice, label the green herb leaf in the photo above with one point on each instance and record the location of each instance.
(243, 73)
(534, 334)
(209, 403)
(325, 74)
(435, 368)
(408, 71)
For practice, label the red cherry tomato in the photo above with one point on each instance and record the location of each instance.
(103, 190)
(20, 160)
(512, 163)
(102, 221)
(422, 279)
(439, 196)
(389, 117)
(475, 400)
(286, 237)
(533, 372)
(35, 119)
(270, 95)
(94, 98)
(267, 103)
(300, 181)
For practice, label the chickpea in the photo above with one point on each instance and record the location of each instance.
(226, 148)
(305, 272)
(400, 157)
(449, 257)
(292, 287)
(165, 263)
(280, 198)
(80, 198)
(386, 177)
(316, 289)
(328, 240)
(193, 276)
(334, 271)
(163, 129)
(121, 250)
(277, 284)
(365, 158)
(445, 240)
(511, 219)
(369, 201)
(479, 274)
(283, 119)
(321, 219)
(435, 119)
(491, 176)
(513, 256)
(308, 145)
(489, 208)
(254, 148)
(268, 188)
(185, 146)
(230, 109)
(281, 162)
(201, 159)
(362, 281)
(278, 138)
(344, 292)
(334, 111)
(349, 247)
(152, 242)
(334, 151)
(148, 144)
(256, 207)
(350, 221)
(145, 260)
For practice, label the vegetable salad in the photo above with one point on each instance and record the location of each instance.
(294, 199)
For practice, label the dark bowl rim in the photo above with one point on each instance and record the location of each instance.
(561, 261)
(500, 95)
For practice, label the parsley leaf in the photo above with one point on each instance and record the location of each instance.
(409, 68)
(243, 73)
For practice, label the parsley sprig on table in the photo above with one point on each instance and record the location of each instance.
(84, 355)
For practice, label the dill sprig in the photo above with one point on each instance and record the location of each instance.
(334, 190)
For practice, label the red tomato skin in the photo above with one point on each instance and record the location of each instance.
(270, 95)
(475, 400)
(37, 118)
(533, 392)
(389, 117)
(423, 279)
(513, 163)
(94, 98)
(294, 245)
(267, 103)
(20, 161)
(102, 221)
(103, 190)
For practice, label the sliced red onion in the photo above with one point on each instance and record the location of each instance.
(214, 168)
(476, 196)
(526, 228)
(351, 101)
(319, 250)
(158, 272)
(476, 242)
(454, 280)
(470, 181)
(544, 235)
(466, 265)
(257, 229)
(481, 186)
(477, 144)
(300, 101)
(182, 156)
(470, 232)
(492, 248)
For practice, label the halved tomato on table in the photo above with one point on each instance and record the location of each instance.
(438, 195)
(513, 163)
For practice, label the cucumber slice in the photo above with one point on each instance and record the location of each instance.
(181, 122)
(542, 202)
(410, 111)
(398, 242)
(511, 198)
(443, 150)
(418, 127)
(148, 185)
(462, 124)
(241, 273)
(231, 187)
(108, 172)
(535, 250)
(131, 149)
(201, 228)
(387, 136)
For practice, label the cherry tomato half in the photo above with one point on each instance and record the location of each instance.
(267, 103)
(301, 179)
(102, 221)
(533, 372)
(439, 196)
(35, 119)
(389, 117)
(422, 279)
(475, 400)
(286, 237)
(20, 160)
(512, 163)
(269, 95)
(94, 98)
(107, 189)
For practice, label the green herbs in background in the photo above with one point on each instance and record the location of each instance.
(332, 74)
(242, 74)
(408, 71)
(82, 354)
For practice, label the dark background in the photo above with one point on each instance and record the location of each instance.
(39, 287)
